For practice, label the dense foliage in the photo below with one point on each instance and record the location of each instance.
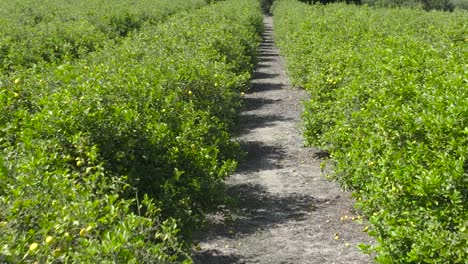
(112, 157)
(445, 5)
(331, 1)
(34, 32)
(389, 101)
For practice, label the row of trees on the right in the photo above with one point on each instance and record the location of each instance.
(389, 101)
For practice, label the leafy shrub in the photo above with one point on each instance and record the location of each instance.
(36, 32)
(118, 157)
(460, 4)
(51, 213)
(331, 1)
(389, 100)
(394, 3)
(445, 5)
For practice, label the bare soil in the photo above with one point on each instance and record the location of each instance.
(287, 211)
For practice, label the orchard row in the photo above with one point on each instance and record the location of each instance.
(389, 101)
(116, 156)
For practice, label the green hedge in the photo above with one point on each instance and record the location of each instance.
(389, 101)
(445, 5)
(117, 158)
(35, 32)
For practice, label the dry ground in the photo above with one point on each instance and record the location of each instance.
(288, 212)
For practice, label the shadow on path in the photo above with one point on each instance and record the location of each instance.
(263, 75)
(253, 121)
(257, 103)
(282, 211)
(264, 87)
(218, 257)
(256, 208)
(260, 157)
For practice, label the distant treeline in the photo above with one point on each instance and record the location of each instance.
(446, 5)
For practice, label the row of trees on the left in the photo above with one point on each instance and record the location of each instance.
(116, 156)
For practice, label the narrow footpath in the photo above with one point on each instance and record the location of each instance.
(287, 212)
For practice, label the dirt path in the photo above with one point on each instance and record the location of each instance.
(287, 212)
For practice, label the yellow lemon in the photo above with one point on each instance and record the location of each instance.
(33, 246)
(49, 239)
